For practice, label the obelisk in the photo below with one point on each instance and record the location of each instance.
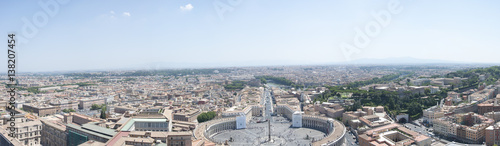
(269, 123)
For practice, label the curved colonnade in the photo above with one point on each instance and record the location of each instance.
(335, 130)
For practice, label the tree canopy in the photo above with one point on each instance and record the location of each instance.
(96, 106)
(235, 85)
(68, 110)
(279, 80)
(207, 116)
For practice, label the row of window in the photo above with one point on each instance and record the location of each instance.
(27, 141)
(29, 128)
(151, 125)
(26, 134)
(150, 130)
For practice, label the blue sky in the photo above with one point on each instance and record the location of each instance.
(113, 34)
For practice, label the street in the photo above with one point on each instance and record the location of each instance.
(350, 139)
(425, 131)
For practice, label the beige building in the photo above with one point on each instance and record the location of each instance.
(393, 135)
(187, 115)
(62, 105)
(78, 119)
(467, 128)
(40, 109)
(53, 134)
(87, 103)
(28, 133)
(148, 138)
(432, 113)
(329, 109)
(366, 118)
(493, 115)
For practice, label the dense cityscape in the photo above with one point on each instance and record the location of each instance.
(275, 105)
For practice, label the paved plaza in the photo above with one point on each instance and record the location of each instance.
(282, 133)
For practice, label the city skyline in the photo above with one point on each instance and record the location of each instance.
(250, 72)
(99, 35)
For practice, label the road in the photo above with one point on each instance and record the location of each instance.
(425, 131)
(350, 139)
(268, 103)
(419, 129)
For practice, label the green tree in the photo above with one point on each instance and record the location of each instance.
(103, 113)
(206, 116)
(68, 110)
(235, 85)
(263, 81)
(427, 91)
(95, 107)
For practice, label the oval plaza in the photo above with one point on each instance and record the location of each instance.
(270, 124)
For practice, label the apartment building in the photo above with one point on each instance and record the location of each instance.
(432, 113)
(53, 134)
(87, 103)
(40, 109)
(492, 135)
(467, 127)
(491, 105)
(64, 104)
(187, 115)
(5, 139)
(28, 133)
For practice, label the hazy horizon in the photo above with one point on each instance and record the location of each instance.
(101, 35)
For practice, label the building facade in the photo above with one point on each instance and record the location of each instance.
(53, 134)
(28, 133)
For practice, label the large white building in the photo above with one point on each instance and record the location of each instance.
(297, 119)
(241, 122)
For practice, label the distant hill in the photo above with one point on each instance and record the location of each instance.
(400, 60)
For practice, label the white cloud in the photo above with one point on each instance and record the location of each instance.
(112, 12)
(187, 7)
(126, 14)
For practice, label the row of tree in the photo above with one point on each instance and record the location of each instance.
(206, 116)
(97, 106)
(375, 80)
(235, 85)
(279, 80)
(68, 110)
(35, 90)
